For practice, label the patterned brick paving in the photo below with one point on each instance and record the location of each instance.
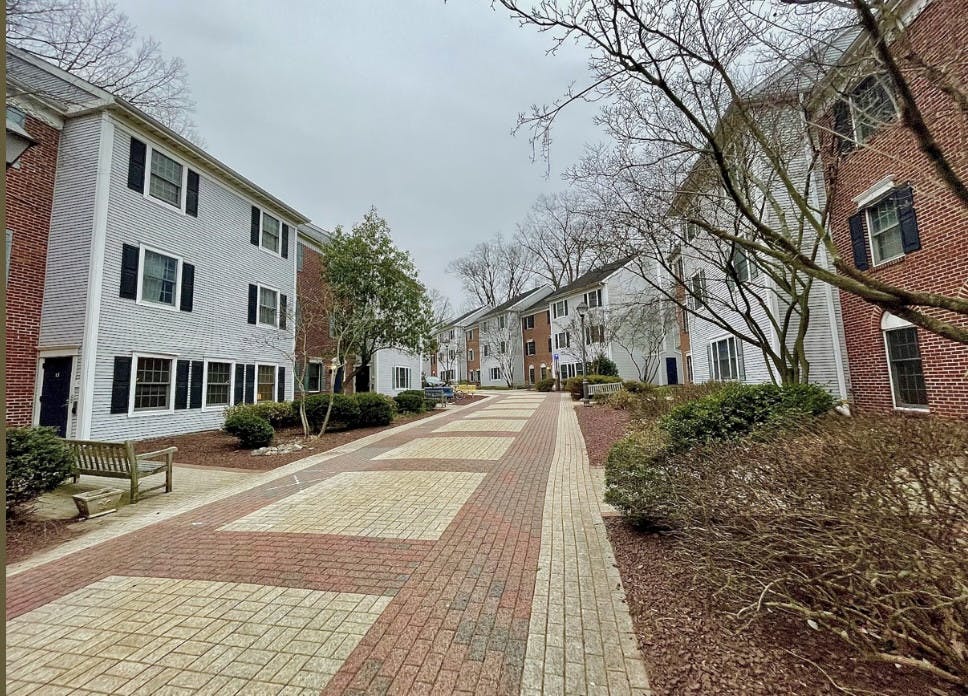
(357, 572)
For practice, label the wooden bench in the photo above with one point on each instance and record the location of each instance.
(118, 460)
(592, 390)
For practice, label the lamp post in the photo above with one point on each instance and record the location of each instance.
(582, 310)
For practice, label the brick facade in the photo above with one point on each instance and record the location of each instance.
(29, 199)
(313, 340)
(941, 264)
(473, 343)
(541, 335)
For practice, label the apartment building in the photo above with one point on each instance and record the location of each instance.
(501, 346)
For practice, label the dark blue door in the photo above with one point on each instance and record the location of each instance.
(55, 393)
(672, 371)
(338, 386)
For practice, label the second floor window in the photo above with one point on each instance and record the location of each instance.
(166, 179)
(270, 233)
(470, 356)
(159, 278)
(486, 350)
(560, 309)
(530, 348)
(871, 105)
(502, 322)
(268, 306)
(469, 335)
(528, 322)
(594, 298)
(504, 347)
(885, 230)
(698, 289)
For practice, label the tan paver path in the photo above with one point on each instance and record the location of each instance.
(467, 447)
(580, 639)
(388, 504)
(140, 635)
(502, 413)
(493, 425)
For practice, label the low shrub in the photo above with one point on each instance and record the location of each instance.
(635, 387)
(738, 409)
(346, 410)
(430, 404)
(638, 481)
(37, 462)
(603, 365)
(574, 384)
(412, 401)
(252, 430)
(854, 524)
(375, 409)
(545, 385)
(279, 414)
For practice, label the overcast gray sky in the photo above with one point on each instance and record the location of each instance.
(408, 106)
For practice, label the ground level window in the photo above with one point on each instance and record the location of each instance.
(726, 360)
(219, 383)
(152, 389)
(495, 373)
(266, 387)
(314, 376)
(907, 374)
(531, 374)
(401, 378)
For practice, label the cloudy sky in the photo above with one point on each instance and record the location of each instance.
(408, 106)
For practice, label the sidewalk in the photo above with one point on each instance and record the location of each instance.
(406, 562)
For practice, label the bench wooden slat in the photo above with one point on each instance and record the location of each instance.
(118, 460)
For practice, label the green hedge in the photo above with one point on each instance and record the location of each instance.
(739, 409)
(638, 480)
(375, 409)
(574, 384)
(279, 414)
(345, 413)
(411, 401)
(37, 462)
(545, 385)
(252, 430)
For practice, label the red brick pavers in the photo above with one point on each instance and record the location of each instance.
(458, 620)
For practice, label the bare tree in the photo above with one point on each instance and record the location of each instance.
(677, 81)
(561, 239)
(640, 330)
(502, 336)
(95, 41)
(493, 271)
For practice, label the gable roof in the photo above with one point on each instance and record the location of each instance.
(595, 276)
(517, 299)
(72, 96)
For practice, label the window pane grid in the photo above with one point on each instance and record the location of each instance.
(907, 374)
(267, 383)
(152, 384)
(270, 233)
(885, 225)
(158, 281)
(219, 381)
(267, 306)
(166, 178)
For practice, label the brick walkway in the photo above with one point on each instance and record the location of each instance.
(464, 553)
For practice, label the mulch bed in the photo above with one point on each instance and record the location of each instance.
(601, 426)
(25, 537)
(218, 449)
(691, 646)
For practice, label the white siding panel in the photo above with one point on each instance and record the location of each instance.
(381, 370)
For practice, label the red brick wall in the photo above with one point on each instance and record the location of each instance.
(312, 334)
(539, 334)
(473, 344)
(30, 196)
(941, 265)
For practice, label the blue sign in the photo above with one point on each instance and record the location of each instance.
(555, 356)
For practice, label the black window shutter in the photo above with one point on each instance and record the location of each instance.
(195, 393)
(254, 230)
(137, 156)
(843, 126)
(239, 383)
(858, 242)
(253, 302)
(281, 386)
(250, 384)
(187, 287)
(191, 198)
(181, 384)
(121, 385)
(285, 241)
(129, 271)
(910, 237)
(283, 306)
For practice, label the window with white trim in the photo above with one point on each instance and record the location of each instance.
(469, 335)
(495, 373)
(159, 277)
(401, 377)
(218, 383)
(697, 288)
(470, 355)
(530, 374)
(271, 233)
(744, 267)
(726, 360)
(595, 334)
(594, 298)
(166, 179)
(268, 306)
(528, 322)
(562, 339)
(907, 372)
(153, 383)
(266, 383)
(502, 322)
(313, 379)
(530, 348)
(486, 349)
(871, 106)
(884, 224)
(560, 309)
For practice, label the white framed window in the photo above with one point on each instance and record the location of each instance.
(470, 355)
(528, 322)
(562, 339)
(726, 360)
(692, 231)
(594, 298)
(268, 306)
(486, 350)
(159, 282)
(469, 335)
(743, 265)
(495, 373)
(560, 309)
(450, 335)
(697, 286)
(152, 384)
(689, 378)
(451, 354)
(401, 377)
(884, 230)
(502, 322)
(265, 383)
(219, 383)
(530, 348)
(313, 379)
(530, 374)
(167, 179)
(271, 233)
(871, 106)
(595, 334)
(299, 256)
(908, 388)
